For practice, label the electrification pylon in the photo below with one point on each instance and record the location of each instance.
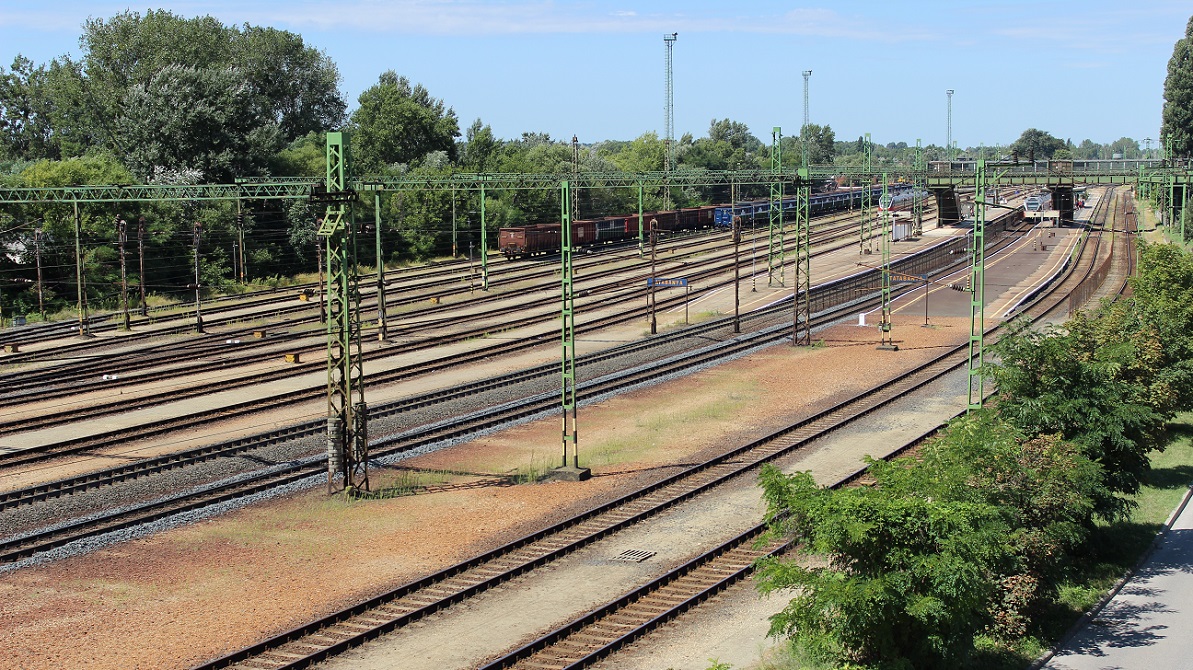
(866, 229)
(568, 319)
(920, 187)
(977, 287)
(575, 201)
(347, 413)
(802, 318)
(884, 325)
(775, 255)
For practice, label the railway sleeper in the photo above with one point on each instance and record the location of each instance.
(540, 665)
(284, 656)
(374, 621)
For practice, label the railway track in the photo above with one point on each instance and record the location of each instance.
(600, 632)
(308, 644)
(162, 360)
(709, 270)
(213, 306)
(30, 544)
(590, 636)
(838, 293)
(15, 549)
(446, 276)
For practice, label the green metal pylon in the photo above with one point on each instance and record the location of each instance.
(919, 187)
(1184, 203)
(802, 319)
(568, 328)
(382, 326)
(347, 413)
(866, 229)
(884, 324)
(977, 288)
(775, 254)
(484, 243)
(641, 225)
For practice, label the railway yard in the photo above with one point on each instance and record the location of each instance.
(163, 492)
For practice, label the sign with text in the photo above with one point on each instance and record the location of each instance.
(659, 281)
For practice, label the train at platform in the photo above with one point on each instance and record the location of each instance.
(1038, 202)
(543, 238)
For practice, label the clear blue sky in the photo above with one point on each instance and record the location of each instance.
(1091, 69)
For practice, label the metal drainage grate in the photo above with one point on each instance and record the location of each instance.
(634, 555)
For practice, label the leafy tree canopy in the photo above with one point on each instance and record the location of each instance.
(1056, 381)
(907, 580)
(24, 111)
(286, 88)
(1177, 114)
(1036, 144)
(201, 119)
(397, 123)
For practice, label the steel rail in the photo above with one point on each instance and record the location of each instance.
(163, 426)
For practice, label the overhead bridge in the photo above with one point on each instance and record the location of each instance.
(1171, 178)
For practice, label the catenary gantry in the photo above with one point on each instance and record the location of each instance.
(347, 438)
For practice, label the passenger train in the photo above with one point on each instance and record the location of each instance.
(1038, 202)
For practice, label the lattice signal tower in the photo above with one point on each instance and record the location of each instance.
(866, 229)
(775, 255)
(347, 413)
(921, 186)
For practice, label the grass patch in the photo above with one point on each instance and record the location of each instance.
(668, 424)
(404, 482)
(538, 469)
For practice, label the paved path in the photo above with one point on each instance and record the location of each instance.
(1149, 623)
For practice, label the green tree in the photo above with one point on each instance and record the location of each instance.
(1036, 144)
(397, 123)
(1054, 381)
(1155, 324)
(1125, 147)
(287, 88)
(480, 147)
(1177, 114)
(25, 112)
(643, 154)
(196, 119)
(734, 133)
(1044, 487)
(904, 581)
(294, 86)
(304, 157)
(1088, 149)
(729, 146)
(821, 141)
